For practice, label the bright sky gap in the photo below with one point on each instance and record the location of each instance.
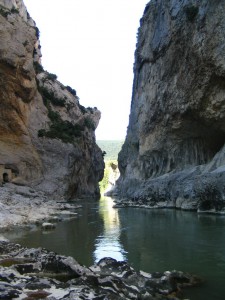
(90, 46)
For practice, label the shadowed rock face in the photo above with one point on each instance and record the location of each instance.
(44, 131)
(177, 118)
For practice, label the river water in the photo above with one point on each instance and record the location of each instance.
(150, 240)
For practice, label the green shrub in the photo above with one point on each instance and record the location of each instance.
(82, 108)
(58, 101)
(54, 116)
(4, 12)
(48, 96)
(58, 128)
(37, 32)
(105, 181)
(41, 132)
(72, 91)
(63, 130)
(90, 109)
(14, 10)
(89, 123)
(191, 12)
(38, 67)
(110, 167)
(51, 76)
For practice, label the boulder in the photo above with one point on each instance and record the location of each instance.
(48, 226)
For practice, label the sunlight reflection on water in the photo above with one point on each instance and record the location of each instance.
(155, 241)
(108, 244)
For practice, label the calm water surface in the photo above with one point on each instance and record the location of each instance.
(150, 240)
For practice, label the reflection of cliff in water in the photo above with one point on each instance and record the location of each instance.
(108, 244)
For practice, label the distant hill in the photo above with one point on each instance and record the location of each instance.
(112, 148)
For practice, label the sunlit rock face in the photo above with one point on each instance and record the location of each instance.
(177, 118)
(47, 138)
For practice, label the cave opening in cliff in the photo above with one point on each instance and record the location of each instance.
(5, 177)
(206, 146)
(218, 141)
(200, 140)
(213, 140)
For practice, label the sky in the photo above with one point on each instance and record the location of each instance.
(89, 45)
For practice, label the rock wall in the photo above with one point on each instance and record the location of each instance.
(47, 138)
(176, 131)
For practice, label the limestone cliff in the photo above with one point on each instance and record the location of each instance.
(173, 153)
(47, 138)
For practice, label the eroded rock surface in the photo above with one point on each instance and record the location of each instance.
(47, 138)
(23, 205)
(32, 273)
(173, 153)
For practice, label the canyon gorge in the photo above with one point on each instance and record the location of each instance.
(173, 157)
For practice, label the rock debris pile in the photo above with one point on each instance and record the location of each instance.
(41, 274)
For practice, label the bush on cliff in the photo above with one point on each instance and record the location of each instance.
(191, 12)
(48, 96)
(63, 130)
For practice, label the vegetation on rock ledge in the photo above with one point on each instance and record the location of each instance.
(63, 130)
(111, 150)
(38, 67)
(72, 91)
(49, 96)
(5, 12)
(191, 12)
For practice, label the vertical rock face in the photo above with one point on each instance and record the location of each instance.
(46, 137)
(177, 118)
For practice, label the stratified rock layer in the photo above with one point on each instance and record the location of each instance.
(173, 151)
(47, 138)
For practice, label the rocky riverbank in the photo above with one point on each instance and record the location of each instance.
(40, 274)
(186, 190)
(22, 205)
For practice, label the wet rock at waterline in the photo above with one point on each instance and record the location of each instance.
(22, 205)
(34, 273)
(47, 226)
(174, 154)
